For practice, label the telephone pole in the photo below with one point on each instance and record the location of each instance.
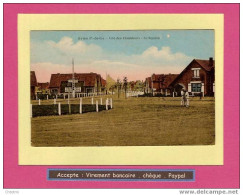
(73, 79)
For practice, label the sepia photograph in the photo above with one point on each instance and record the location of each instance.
(122, 88)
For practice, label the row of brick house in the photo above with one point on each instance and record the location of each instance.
(42, 88)
(62, 83)
(159, 83)
(85, 83)
(197, 78)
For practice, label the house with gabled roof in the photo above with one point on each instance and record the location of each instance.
(103, 85)
(33, 84)
(136, 85)
(159, 83)
(42, 88)
(197, 78)
(84, 83)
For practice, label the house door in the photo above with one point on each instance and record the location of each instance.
(178, 89)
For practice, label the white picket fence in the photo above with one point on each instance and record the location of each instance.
(83, 95)
(109, 102)
(134, 93)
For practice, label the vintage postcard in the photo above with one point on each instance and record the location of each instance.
(112, 96)
(121, 87)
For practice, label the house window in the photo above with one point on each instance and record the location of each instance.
(68, 89)
(77, 89)
(196, 73)
(196, 87)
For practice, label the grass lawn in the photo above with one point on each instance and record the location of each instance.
(142, 121)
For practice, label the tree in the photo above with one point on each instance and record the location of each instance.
(112, 88)
(110, 83)
(139, 86)
(118, 85)
(125, 86)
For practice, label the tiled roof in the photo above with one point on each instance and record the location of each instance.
(205, 64)
(157, 77)
(164, 79)
(33, 81)
(43, 85)
(103, 82)
(169, 78)
(148, 80)
(88, 78)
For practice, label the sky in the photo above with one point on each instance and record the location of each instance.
(134, 54)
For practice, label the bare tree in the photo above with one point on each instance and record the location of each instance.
(118, 85)
(125, 86)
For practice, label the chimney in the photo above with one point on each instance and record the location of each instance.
(211, 61)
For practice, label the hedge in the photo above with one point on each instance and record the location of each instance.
(52, 110)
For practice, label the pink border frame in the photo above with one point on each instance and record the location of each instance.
(226, 176)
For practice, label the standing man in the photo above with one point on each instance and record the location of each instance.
(186, 98)
(182, 97)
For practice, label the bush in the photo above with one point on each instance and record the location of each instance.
(44, 96)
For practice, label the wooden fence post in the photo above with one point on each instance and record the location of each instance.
(97, 106)
(47, 97)
(106, 104)
(111, 103)
(39, 102)
(100, 101)
(69, 108)
(92, 100)
(59, 108)
(80, 106)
